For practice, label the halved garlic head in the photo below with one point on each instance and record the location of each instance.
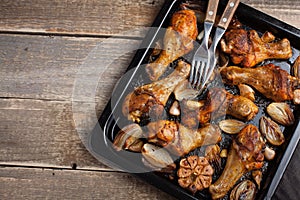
(271, 131)
(281, 113)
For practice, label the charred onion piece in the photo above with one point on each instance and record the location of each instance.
(270, 80)
(179, 139)
(129, 138)
(195, 173)
(271, 131)
(248, 49)
(296, 68)
(149, 100)
(157, 158)
(281, 113)
(178, 41)
(246, 154)
(231, 126)
(245, 190)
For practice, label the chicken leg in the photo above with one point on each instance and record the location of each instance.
(178, 41)
(273, 82)
(246, 154)
(149, 100)
(180, 140)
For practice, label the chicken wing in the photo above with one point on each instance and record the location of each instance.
(273, 82)
(179, 139)
(149, 100)
(219, 103)
(248, 49)
(178, 41)
(246, 154)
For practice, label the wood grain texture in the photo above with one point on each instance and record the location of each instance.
(91, 17)
(41, 67)
(106, 17)
(41, 133)
(22, 183)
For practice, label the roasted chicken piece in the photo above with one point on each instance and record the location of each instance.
(219, 103)
(178, 41)
(246, 154)
(180, 140)
(270, 80)
(149, 100)
(248, 49)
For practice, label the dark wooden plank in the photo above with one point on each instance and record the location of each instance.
(42, 133)
(20, 183)
(77, 17)
(41, 67)
(287, 11)
(107, 17)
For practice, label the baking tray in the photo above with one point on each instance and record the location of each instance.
(111, 120)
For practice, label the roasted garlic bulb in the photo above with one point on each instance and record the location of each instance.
(195, 173)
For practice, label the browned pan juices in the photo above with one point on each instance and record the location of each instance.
(112, 120)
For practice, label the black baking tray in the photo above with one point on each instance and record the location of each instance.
(111, 120)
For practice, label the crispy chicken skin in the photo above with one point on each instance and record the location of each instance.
(219, 103)
(180, 140)
(178, 41)
(248, 49)
(273, 82)
(246, 154)
(149, 100)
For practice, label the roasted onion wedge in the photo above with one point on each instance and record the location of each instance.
(231, 126)
(245, 190)
(271, 130)
(281, 113)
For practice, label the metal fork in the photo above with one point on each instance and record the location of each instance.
(201, 57)
(200, 76)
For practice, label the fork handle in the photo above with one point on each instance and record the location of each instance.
(228, 13)
(211, 11)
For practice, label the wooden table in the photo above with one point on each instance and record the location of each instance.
(43, 45)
